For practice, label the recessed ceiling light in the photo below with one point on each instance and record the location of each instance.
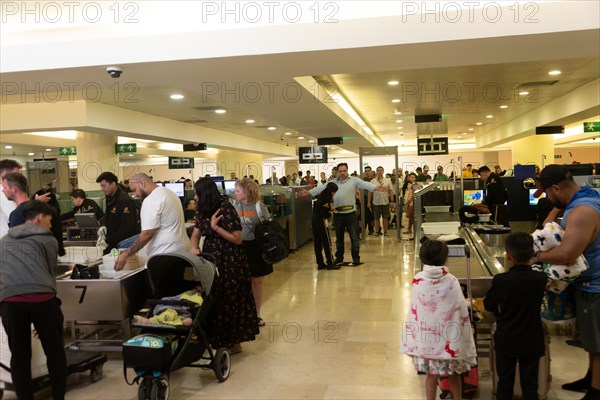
(288, 133)
(8, 147)
(400, 127)
(271, 128)
(176, 96)
(399, 121)
(30, 154)
(311, 141)
(471, 129)
(397, 112)
(463, 133)
(48, 149)
(554, 72)
(332, 147)
(523, 93)
(479, 123)
(220, 111)
(130, 155)
(396, 101)
(489, 116)
(503, 106)
(393, 83)
(249, 121)
(300, 137)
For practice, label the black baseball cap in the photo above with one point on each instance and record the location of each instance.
(552, 174)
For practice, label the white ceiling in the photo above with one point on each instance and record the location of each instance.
(264, 87)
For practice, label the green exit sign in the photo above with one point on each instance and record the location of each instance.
(122, 148)
(593, 126)
(67, 151)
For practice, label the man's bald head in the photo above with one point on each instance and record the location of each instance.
(142, 185)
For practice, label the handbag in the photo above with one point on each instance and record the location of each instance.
(271, 239)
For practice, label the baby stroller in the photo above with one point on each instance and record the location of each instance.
(162, 349)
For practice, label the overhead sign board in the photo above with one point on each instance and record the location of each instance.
(312, 155)
(122, 148)
(432, 146)
(67, 151)
(181, 162)
(593, 126)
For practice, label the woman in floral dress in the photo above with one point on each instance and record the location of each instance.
(233, 318)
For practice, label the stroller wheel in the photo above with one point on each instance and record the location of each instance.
(160, 389)
(222, 364)
(145, 389)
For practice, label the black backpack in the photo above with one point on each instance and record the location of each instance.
(271, 239)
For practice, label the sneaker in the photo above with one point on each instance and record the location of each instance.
(386, 234)
(321, 266)
(338, 262)
(377, 233)
(371, 233)
(334, 266)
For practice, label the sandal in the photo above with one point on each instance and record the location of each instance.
(261, 322)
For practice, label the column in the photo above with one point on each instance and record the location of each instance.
(530, 150)
(95, 154)
(242, 163)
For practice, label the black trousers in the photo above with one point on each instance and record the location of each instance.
(47, 318)
(342, 222)
(321, 240)
(528, 373)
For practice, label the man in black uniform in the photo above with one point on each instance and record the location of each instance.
(120, 218)
(81, 204)
(495, 196)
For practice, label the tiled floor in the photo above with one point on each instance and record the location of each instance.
(329, 335)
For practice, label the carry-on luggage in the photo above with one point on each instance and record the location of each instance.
(544, 376)
(470, 380)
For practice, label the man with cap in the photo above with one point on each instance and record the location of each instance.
(581, 221)
(495, 196)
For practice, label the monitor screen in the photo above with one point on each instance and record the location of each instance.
(177, 187)
(532, 200)
(219, 180)
(230, 185)
(473, 197)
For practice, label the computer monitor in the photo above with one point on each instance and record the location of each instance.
(86, 220)
(230, 185)
(219, 181)
(473, 197)
(176, 187)
(533, 200)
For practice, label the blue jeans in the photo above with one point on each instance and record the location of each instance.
(348, 222)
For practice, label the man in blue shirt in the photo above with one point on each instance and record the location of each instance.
(581, 222)
(344, 217)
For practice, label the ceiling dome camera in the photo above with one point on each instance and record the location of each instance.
(114, 72)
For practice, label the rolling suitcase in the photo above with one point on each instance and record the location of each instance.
(544, 376)
(470, 380)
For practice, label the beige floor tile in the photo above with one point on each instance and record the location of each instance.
(329, 335)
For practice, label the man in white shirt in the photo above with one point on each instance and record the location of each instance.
(6, 206)
(381, 200)
(163, 222)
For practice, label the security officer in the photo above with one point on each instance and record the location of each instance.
(495, 196)
(121, 215)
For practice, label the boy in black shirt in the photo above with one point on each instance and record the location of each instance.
(516, 298)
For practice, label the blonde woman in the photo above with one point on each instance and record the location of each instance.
(247, 206)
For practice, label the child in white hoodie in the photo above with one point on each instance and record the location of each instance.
(437, 332)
